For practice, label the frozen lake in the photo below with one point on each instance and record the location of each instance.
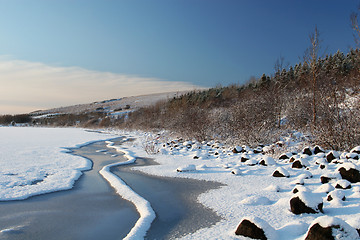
(92, 210)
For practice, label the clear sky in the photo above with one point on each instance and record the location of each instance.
(61, 52)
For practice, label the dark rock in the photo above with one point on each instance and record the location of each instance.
(263, 163)
(298, 207)
(330, 156)
(329, 198)
(325, 179)
(316, 232)
(356, 150)
(292, 159)
(318, 149)
(278, 174)
(339, 229)
(352, 175)
(195, 157)
(297, 164)
(284, 156)
(307, 151)
(244, 159)
(235, 151)
(338, 186)
(249, 229)
(258, 150)
(322, 166)
(238, 150)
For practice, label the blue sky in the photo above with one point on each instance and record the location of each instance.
(197, 42)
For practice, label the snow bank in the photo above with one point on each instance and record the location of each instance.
(147, 214)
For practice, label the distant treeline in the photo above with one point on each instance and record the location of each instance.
(12, 119)
(320, 96)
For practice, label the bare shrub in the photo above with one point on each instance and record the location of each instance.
(150, 145)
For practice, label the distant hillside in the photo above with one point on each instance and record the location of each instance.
(319, 97)
(112, 105)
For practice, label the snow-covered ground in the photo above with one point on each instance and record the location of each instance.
(35, 155)
(251, 191)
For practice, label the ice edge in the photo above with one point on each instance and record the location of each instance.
(147, 214)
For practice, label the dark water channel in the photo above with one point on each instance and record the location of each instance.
(92, 210)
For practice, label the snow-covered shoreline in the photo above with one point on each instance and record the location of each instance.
(250, 188)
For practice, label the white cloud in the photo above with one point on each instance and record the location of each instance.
(28, 86)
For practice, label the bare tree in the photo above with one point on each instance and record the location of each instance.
(355, 27)
(311, 57)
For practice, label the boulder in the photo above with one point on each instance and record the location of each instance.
(331, 156)
(355, 150)
(300, 188)
(249, 229)
(187, 168)
(255, 228)
(352, 155)
(283, 156)
(330, 228)
(237, 149)
(318, 149)
(306, 202)
(244, 157)
(258, 150)
(351, 174)
(236, 171)
(281, 172)
(316, 232)
(297, 164)
(307, 151)
(343, 184)
(325, 179)
(267, 161)
(336, 194)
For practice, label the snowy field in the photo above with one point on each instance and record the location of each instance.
(34, 161)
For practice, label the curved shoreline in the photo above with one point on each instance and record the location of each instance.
(147, 214)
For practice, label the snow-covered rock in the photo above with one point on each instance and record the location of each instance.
(281, 172)
(343, 184)
(267, 161)
(256, 228)
(331, 228)
(306, 202)
(187, 168)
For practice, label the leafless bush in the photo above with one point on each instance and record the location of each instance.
(150, 145)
